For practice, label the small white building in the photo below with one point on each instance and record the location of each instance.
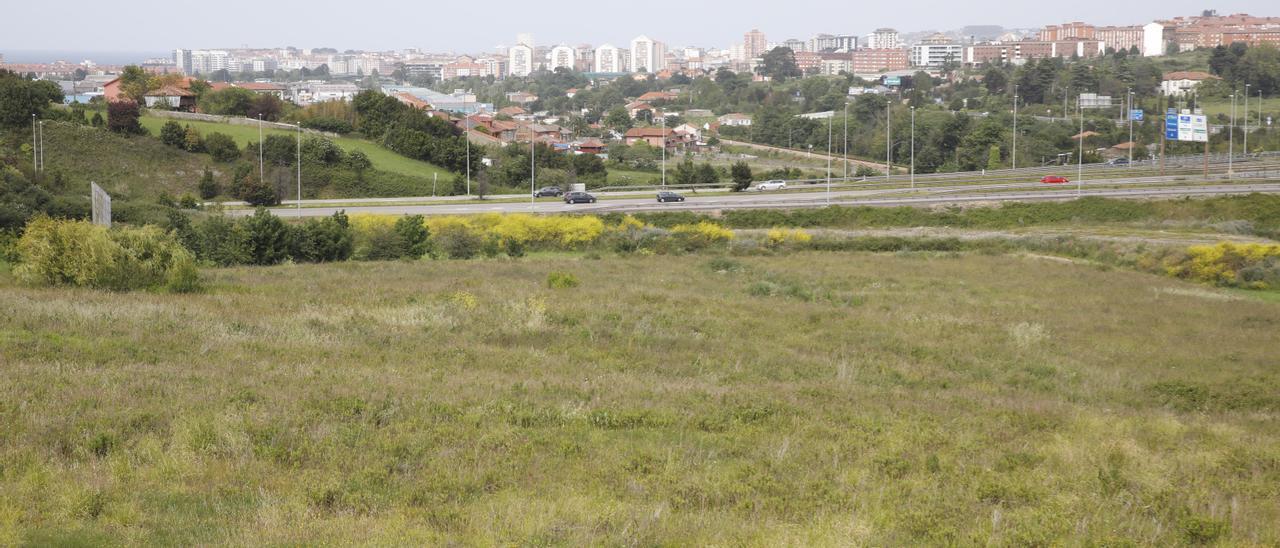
(1153, 40)
(735, 120)
(1180, 83)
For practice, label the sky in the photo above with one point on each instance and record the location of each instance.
(159, 26)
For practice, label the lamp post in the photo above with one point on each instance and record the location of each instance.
(466, 133)
(41, 146)
(532, 168)
(1231, 138)
(913, 147)
(262, 175)
(1013, 153)
(888, 158)
(1246, 128)
(1080, 158)
(1129, 114)
(830, 123)
(662, 135)
(846, 140)
(299, 204)
(35, 158)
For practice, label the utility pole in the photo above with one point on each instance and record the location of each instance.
(262, 176)
(41, 146)
(663, 137)
(533, 189)
(913, 147)
(1014, 152)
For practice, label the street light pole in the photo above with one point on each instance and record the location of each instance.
(299, 204)
(1014, 152)
(663, 136)
(830, 123)
(1246, 128)
(35, 158)
(262, 175)
(466, 133)
(1129, 114)
(846, 139)
(1231, 137)
(41, 146)
(913, 147)
(888, 158)
(532, 168)
(1080, 159)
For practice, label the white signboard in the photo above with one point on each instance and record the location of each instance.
(101, 205)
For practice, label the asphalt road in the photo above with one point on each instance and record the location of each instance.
(748, 200)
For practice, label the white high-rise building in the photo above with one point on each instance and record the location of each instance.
(884, 38)
(1153, 40)
(647, 55)
(609, 59)
(562, 56)
(520, 60)
(209, 61)
(182, 58)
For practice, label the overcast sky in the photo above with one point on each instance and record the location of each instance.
(433, 25)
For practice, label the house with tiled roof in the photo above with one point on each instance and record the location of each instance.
(657, 96)
(1182, 82)
(412, 100)
(634, 109)
(171, 97)
(513, 111)
(655, 137)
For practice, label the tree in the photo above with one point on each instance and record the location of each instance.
(413, 236)
(779, 64)
(228, 102)
(685, 172)
(265, 105)
(21, 97)
(97, 120)
(995, 80)
(134, 83)
(221, 146)
(993, 157)
(741, 175)
(256, 192)
(122, 117)
(358, 161)
(618, 119)
(191, 141)
(706, 175)
(208, 186)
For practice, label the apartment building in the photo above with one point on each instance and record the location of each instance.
(874, 61)
(1120, 38)
(884, 39)
(936, 51)
(562, 57)
(520, 60)
(609, 59)
(647, 54)
(754, 44)
(828, 43)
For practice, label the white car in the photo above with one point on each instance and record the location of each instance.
(771, 185)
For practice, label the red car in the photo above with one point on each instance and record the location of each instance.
(1054, 179)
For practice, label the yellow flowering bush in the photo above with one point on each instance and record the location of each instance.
(781, 236)
(703, 233)
(1228, 264)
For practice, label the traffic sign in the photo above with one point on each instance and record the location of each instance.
(1136, 115)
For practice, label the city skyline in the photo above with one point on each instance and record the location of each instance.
(229, 28)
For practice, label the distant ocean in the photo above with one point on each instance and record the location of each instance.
(76, 56)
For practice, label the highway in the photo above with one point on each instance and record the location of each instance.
(751, 200)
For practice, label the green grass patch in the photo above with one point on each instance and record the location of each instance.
(661, 401)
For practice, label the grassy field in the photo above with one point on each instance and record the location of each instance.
(1270, 107)
(806, 399)
(382, 158)
(136, 167)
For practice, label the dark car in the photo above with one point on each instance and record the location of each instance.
(579, 197)
(668, 196)
(1118, 162)
(1054, 179)
(548, 191)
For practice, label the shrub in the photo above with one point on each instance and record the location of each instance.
(122, 117)
(222, 242)
(329, 124)
(259, 193)
(782, 236)
(324, 240)
(78, 253)
(171, 134)
(379, 243)
(561, 280)
(208, 186)
(415, 239)
(1228, 264)
(457, 241)
(702, 234)
(267, 238)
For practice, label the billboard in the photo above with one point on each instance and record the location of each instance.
(1186, 126)
(892, 81)
(101, 205)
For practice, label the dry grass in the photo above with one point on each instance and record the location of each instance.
(893, 399)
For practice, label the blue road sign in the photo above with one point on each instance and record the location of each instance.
(1136, 115)
(1171, 125)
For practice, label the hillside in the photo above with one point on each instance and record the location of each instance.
(381, 158)
(798, 399)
